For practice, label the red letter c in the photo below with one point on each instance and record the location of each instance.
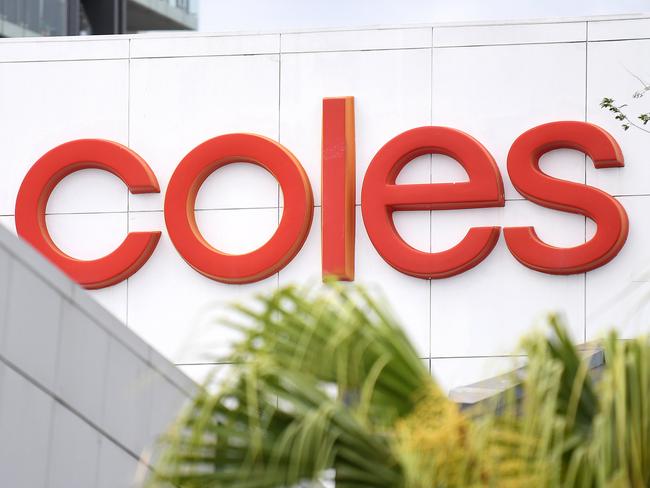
(48, 171)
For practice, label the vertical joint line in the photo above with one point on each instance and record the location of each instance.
(128, 194)
(586, 101)
(431, 211)
(279, 129)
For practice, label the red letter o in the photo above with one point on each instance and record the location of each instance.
(287, 239)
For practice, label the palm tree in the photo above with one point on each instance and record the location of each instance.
(327, 388)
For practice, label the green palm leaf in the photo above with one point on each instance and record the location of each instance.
(326, 384)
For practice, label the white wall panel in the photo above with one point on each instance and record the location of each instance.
(177, 103)
(617, 294)
(91, 236)
(487, 309)
(176, 309)
(481, 35)
(617, 29)
(356, 40)
(45, 104)
(154, 46)
(392, 91)
(613, 71)
(61, 49)
(495, 93)
(407, 296)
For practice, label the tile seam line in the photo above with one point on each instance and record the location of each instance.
(271, 53)
(62, 60)
(57, 399)
(431, 109)
(57, 364)
(343, 30)
(586, 102)
(487, 356)
(215, 55)
(221, 209)
(505, 44)
(128, 193)
(277, 183)
(4, 314)
(50, 442)
(315, 51)
(621, 39)
(449, 25)
(266, 53)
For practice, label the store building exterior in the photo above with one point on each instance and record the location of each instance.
(317, 110)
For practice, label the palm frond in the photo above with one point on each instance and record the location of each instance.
(325, 383)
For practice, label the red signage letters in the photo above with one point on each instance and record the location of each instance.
(380, 197)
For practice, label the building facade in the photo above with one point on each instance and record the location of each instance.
(89, 379)
(493, 82)
(83, 400)
(20, 18)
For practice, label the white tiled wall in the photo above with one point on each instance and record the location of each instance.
(162, 96)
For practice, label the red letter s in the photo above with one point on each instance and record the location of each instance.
(604, 210)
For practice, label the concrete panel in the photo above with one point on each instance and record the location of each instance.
(70, 375)
(25, 417)
(117, 469)
(128, 393)
(33, 325)
(74, 451)
(82, 365)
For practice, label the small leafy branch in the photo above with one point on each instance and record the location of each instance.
(622, 116)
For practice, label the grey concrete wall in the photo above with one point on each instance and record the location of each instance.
(82, 398)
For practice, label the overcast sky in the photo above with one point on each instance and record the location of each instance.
(274, 15)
